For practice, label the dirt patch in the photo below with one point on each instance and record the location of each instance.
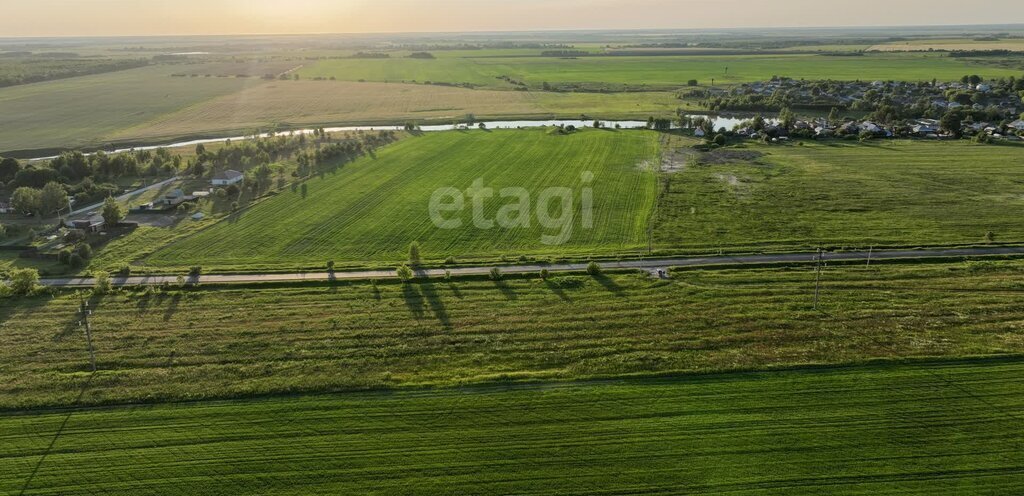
(154, 220)
(722, 156)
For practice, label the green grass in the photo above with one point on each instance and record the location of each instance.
(935, 428)
(371, 210)
(904, 193)
(241, 342)
(654, 71)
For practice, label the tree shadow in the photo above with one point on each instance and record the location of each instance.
(557, 290)
(506, 290)
(437, 307)
(609, 284)
(413, 300)
(172, 307)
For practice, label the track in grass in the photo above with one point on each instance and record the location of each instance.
(231, 342)
(935, 428)
(374, 208)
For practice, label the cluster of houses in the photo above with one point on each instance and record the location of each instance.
(920, 128)
(851, 94)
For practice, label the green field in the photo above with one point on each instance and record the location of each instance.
(654, 71)
(87, 110)
(933, 428)
(903, 193)
(374, 208)
(239, 342)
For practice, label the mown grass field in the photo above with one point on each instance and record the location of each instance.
(654, 71)
(87, 110)
(241, 342)
(371, 210)
(932, 428)
(306, 103)
(897, 193)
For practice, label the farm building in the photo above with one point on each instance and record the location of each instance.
(228, 178)
(92, 224)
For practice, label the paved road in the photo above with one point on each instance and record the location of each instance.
(652, 265)
(125, 196)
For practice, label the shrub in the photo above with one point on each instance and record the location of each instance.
(544, 274)
(64, 256)
(495, 274)
(195, 271)
(76, 261)
(125, 270)
(447, 275)
(102, 284)
(404, 273)
(330, 265)
(84, 250)
(24, 281)
(594, 269)
(449, 261)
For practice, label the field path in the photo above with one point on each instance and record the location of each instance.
(725, 260)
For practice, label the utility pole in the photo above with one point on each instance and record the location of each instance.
(817, 279)
(870, 251)
(88, 332)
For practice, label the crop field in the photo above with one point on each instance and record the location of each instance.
(653, 71)
(885, 429)
(298, 103)
(897, 193)
(238, 342)
(87, 110)
(951, 44)
(374, 208)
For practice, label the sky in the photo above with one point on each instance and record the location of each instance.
(196, 17)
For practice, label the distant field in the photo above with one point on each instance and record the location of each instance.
(373, 209)
(86, 110)
(655, 71)
(935, 428)
(838, 194)
(240, 342)
(297, 103)
(951, 44)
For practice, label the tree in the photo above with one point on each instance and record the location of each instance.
(52, 198)
(24, 281)
(544, 274)
(8, 168)
(951, 122)
(787, 118)
(692, 82)
(833, 116)
(414, 253)
(719, 139)
(495, 274)
(594, 269)
(112, 212)
(26, 200)
(102, 283)
(404, 273)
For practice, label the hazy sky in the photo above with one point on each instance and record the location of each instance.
(167, 17)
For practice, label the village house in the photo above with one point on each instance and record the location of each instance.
(93, 224)
(228, 178)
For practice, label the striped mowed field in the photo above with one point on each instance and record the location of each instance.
(372, 209)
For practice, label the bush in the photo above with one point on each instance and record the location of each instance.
(594, 269)
(102, 284)
(404, 273)
(495, 274)
(125, 270)
(64, 256)
(195, 271)
(449, 261)
(84, 250)
(330, 266)
(447, 275)
(24, 281)
(76, 261)
(544, 274)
